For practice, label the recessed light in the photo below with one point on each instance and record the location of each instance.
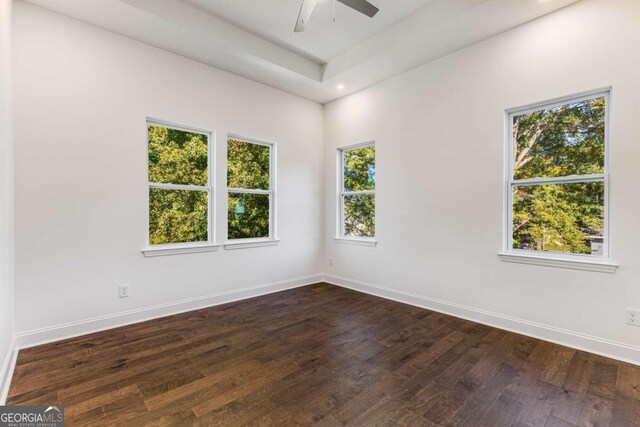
(340, 86)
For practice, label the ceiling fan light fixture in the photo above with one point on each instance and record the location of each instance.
(307, 7)
(333, 5)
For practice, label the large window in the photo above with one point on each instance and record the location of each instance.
(180, 190)
(357, 192)
(557, 183)
(250, 183)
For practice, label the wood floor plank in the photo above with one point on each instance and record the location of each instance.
(557, 422)
(597, 412)
(626, 411)
(568, 405)
(503, 413)
(323, 355)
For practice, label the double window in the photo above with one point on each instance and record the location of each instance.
(181, 190)
(557, 178)
(357, 192)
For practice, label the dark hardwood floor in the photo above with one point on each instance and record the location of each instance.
(323, 355)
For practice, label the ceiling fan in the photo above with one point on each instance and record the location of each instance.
(362, 6)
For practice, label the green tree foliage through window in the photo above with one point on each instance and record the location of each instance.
(178, 160)
(360, 169)
(560, 142)
(177, 216)
(248, 165)
(248, 216)
(358, 196)
(248, 168)
(177, 157)
(359, 215)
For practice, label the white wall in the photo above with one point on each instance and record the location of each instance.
(6, 193)
(81, 98)
(439, 131)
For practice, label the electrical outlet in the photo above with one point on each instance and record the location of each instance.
(123, 291)
(330, 262)
(633, 317)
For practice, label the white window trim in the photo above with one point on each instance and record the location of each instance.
(190, 247)
(272, 239)
(250, 243)
(549, 260)
(341, 237)
(553, 259)
(359, 241)
(179, 249)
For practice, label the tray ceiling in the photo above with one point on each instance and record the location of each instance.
(255, 38)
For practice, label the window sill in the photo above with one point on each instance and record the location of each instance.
(250, 243)
(164, 250)
(356, 242)
(597, 265)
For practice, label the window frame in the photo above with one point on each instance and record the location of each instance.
(152, 250)
(556, 259)
(251, 242)
(341, 236)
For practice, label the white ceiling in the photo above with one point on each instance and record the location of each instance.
(255, 38)
(322, 39)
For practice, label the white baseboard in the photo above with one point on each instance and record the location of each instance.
(8, 366)
(97, 324)
(615, 350)
(603, 347)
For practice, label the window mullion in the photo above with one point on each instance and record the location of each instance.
(342, 195)
(249, 191)
(179, 187)
(358, 193)
(574, 179)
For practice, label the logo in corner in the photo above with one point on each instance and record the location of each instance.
(32, 416)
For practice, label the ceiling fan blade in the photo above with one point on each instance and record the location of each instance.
(362, 6)
(305, 14)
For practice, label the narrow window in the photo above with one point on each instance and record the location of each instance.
(250, 183)
(180, 190)
(557, 182)
(357, 192)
